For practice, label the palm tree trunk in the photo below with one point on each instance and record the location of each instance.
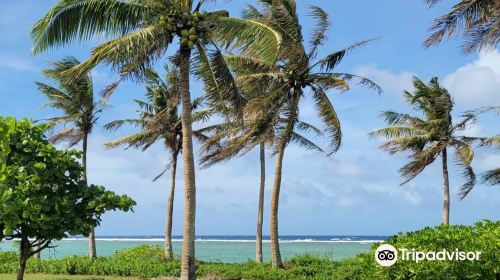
(260, 215)
(170, 209)
(92, 247)
(188, 253)
(275, 246)
(446, 204)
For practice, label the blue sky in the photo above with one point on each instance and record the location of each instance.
(355, 191)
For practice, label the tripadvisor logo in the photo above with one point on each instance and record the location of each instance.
(387, 255)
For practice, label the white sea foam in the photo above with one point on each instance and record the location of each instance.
(307, 240)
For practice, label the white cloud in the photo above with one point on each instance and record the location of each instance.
(11, 62)
(393, 83)
(490, 161)
(477, 83)
(472, 85)
(472, 130)
(413, 197)
(344, 168)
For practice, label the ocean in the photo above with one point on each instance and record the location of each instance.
(229, 249)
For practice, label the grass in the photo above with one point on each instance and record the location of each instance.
(64, 277)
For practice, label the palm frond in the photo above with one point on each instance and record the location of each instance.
(307, 127)
(470, 181)
(71, 20)
(115, 125)
(136, 140)
(395, 118)
(465, 155)
(132, 54)
(395, 132)
(244, 65)
(221, 90)
(361, 81)
(421, 161)
(64, 135)
(329, 116)
(471, 116)
(478, 20)
(332, 60)
(492, 177)
(304, 142)
(251, 37)
(319, 34)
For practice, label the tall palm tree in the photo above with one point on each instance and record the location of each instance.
(143, 31)
(276, 91)
(228, 140)
(430, 137)
(158, 120)
(76, 100)
(478, 21)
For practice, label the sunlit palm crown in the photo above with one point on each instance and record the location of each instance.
(140, 32)
(273, 92)
(426, 138)
(75, 99)
(478, 20)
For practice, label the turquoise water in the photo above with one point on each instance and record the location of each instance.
(230, 251)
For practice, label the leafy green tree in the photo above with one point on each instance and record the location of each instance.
(158, 120)
(142, 31)
(276, 91)
(43, 196)
(80, 112)
(430, 137)
(478, 22)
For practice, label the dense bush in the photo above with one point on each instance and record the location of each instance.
(484, 236)
(146, 261)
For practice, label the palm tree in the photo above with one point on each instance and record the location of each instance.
(429, 138)
(143, 31)
(275, 91)
(159, 121)
(229, 140)
(81, 111)
(477, 20)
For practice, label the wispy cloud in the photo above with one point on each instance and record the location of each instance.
(15, 63)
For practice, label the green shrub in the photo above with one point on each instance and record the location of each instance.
(484, 236)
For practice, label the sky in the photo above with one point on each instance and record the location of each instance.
(353, 192)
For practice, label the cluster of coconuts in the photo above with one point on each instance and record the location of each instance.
(190, 27)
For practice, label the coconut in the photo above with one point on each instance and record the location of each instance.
(193, 38)
(184, 33)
